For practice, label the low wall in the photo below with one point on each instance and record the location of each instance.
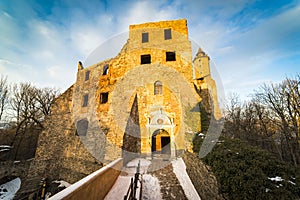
(95, 185)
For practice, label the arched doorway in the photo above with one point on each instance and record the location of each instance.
(161, 142)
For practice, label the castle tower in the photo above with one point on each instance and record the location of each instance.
(155, 68)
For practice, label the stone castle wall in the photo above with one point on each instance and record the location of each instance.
(60, 154)
(113, 104)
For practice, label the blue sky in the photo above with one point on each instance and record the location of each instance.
(250, 42)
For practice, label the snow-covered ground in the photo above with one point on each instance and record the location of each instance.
(277, 178)
(151, 188)
(62, 183)
(4, 148)
(9, 189)
(179, 169)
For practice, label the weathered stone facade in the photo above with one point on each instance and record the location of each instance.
(144, 101)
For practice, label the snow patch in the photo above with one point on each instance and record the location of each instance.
(62, 183)
(291, 182)
(4, 150)
(47, 196)
(277, 178)
(135, 162)
(5, 146)
(151, 188)
(179, 169)
(8, 190)
(132, 165)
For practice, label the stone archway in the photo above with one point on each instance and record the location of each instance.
(161, 142)
(160, 133)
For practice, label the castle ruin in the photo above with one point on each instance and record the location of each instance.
(144, 102)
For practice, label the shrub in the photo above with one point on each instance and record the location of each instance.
(245, 172)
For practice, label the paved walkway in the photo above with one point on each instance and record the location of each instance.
(162, 179)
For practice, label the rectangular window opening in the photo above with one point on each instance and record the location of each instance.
(85, 100)
(104, 97)
(145, 37)
(146, 59)
(87, 75)
(168, 34)
(170, 56)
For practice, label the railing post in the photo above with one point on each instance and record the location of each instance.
(131, 193)
(43, 191)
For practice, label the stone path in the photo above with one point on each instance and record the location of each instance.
(169, 184)
(159, 180)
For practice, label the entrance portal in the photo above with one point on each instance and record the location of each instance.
(161, 142)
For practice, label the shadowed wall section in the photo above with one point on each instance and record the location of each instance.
(132, 135)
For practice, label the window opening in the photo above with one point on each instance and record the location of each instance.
(168, 34)
(145, 37)
(85, 100)
(146, 59)
(87, 75)
(103, 98)
(157, 88)
(105, 69)
(170, 56)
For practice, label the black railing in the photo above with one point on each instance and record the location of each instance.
(131, 192)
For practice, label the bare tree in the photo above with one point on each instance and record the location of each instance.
(292, 93)
(4, 93)
(280, 100)
(45, 98)
(270, 120)
(30, 105)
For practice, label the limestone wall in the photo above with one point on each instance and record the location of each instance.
(60, 154)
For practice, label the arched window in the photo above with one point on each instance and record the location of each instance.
(157, 88)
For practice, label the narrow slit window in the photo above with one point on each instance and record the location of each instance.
(157, 88)
(170, 56)
(168, 34)
(85, 100)
(87, 75)
(146, 59)
(104, 97)
(145, 37)
(105, 69)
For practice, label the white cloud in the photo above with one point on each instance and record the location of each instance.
(45, 50)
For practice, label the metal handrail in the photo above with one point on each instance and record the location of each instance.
(131, 192)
